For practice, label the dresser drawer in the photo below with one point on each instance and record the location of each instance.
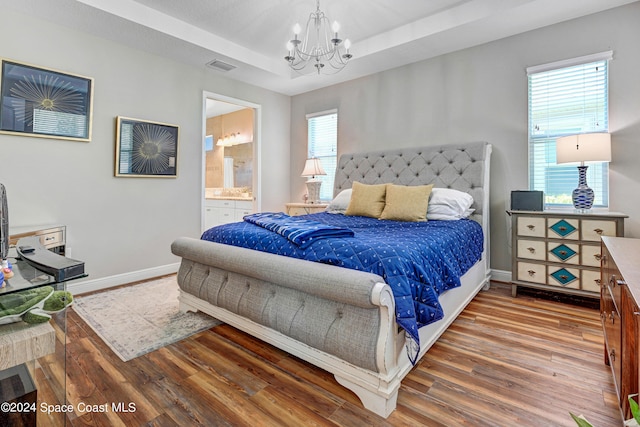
(52, 240)
(591, 255)
(530, 272)
(241, 213)
(590, 280)
(565, 277)
(568, 253)
(296, 211)
(245, 205)
(532, 249)
(531, 226)
(592, 230)
(226, 216)
(220, 203)
(563, 228)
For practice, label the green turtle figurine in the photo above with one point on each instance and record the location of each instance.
(33, 305)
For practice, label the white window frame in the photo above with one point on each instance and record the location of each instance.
(544, 173)
(327, 151)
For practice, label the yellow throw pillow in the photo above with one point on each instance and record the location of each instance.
(406, 203)
(367, 200)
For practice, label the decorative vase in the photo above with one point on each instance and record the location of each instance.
(583, 195)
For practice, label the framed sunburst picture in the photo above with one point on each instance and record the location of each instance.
(146, 149)
(45, 103)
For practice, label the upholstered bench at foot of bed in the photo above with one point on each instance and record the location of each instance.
(338, 319)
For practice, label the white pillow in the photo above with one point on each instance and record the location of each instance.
(449, 204)
(340, 203)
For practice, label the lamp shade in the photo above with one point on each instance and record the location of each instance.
(313, 167)
(585, 147)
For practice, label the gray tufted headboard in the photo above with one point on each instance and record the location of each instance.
(463, 167)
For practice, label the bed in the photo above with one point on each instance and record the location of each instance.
(343, 320)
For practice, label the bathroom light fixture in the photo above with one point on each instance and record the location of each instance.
(229, 140)
(321, 49)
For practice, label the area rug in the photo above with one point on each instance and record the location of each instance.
(135, 320)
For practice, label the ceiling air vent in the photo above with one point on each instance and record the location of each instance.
(216, 64)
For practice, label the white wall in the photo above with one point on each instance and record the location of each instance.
(123, 227)
(481, 94)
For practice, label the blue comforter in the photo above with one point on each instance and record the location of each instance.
(419, 260)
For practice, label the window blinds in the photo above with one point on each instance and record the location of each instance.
(322, 143)
(567, 100)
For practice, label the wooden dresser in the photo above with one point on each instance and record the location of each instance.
(559, 250)
(620, 315)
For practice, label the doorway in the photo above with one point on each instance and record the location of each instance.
(231, 161)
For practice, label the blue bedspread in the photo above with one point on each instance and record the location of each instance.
(419, 260)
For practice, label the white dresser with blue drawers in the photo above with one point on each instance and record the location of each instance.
(559, 250)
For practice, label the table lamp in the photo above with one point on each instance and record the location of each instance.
(585, 147)
(313, 168)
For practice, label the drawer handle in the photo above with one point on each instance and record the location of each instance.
(621, 282)
(531, 273)
(613, 318)
(598, 282)
(562, 228)
(531, 227)
(612, 354)
(532, 250)
(563, 253)
(599, 230)
(49, 238)
(598, 257)
(564, 277)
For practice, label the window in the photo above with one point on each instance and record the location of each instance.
(208, 143)
(322, 142)
(567, 98)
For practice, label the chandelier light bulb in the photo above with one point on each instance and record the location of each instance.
(347, 44)
(296, 29)
(335, 27)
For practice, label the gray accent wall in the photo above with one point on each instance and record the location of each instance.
(480, 94)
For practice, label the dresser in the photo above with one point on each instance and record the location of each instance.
(620, 315)
(559, 250)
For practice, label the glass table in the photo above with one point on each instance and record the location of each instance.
(33, 357)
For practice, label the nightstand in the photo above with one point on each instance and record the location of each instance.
(295, 209)
(559, 250)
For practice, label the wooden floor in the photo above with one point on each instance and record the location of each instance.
(503, 362)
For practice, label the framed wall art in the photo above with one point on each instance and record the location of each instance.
(146, 149)
(44, 103)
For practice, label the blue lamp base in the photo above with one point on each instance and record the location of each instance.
(583, 195)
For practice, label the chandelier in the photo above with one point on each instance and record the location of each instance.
(321, 48)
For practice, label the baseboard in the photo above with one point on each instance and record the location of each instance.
(121, 279)
(135, 276)
(500, 276)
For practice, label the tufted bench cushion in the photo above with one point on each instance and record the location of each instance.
(334, 314)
